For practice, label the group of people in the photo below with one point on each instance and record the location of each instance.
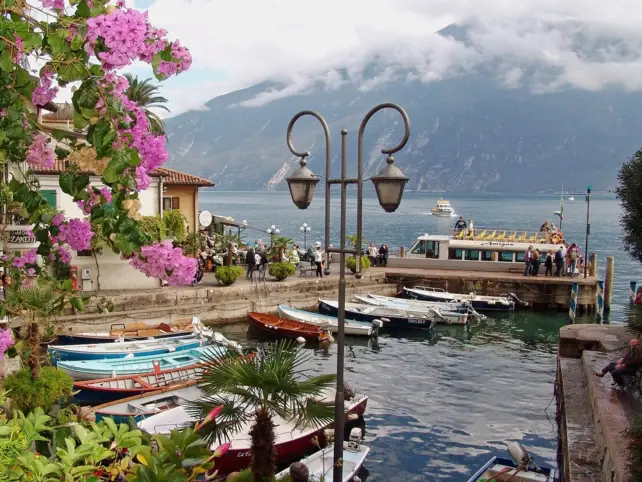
(467, 228)
(566, 260)
(378, 257)
(255, 258)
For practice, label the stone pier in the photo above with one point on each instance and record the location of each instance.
(592, 416)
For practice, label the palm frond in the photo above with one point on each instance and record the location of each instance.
(230, 421)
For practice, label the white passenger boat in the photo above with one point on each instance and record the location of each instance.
(321, 463)
(352, 327)
(443, 209)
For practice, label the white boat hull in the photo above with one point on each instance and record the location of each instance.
(354, 328)
(442, 214)
(321, 463)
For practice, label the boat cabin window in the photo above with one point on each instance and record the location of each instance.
(471, 255)
(506, 256)
(488, 255)
(419, 248)
(455, 253)
(432, 249)
(519, 257)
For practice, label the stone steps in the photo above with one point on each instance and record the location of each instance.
(581, 454)
(609, 408)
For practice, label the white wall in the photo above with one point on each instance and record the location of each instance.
(115, 273)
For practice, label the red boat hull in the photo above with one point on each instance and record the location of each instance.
(239, 459)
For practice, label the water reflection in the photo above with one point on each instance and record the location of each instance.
(443, 402)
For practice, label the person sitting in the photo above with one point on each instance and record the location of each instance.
(628, 365)
(545, 228)
(299, 472)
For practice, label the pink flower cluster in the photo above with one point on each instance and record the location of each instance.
(76, 233)
(44, 92)
(61, 253)
(6, 341)
(128, 36)
(163, 261)
(55, 4)
(39, 153)
(96, 197)
(19, 48)
(30, 257)
(152, 149)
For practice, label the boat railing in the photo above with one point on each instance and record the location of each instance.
(482, 233)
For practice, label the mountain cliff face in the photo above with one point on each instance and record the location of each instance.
(468, 133)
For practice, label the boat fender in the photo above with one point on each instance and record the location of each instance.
(519, 454)
(352, 417)
(301, 340)
(387, 320)
(171, 349)
(328, 434)
(129, 355)
(378, 323)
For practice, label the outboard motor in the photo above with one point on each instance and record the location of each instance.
(356, 435)
(521, 457)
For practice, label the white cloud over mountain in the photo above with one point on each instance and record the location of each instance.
(574, 43)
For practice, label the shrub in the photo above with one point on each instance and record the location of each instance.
(227, 275)
(174, 224)
(635, 449)
(27, 394)
(351, 263)
(280, 271)
(154, 227)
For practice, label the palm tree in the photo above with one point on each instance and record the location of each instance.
(257, 389)
(145, 94)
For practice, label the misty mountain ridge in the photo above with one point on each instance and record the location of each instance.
(496, 127)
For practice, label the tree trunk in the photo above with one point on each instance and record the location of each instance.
(262, 434)
(34, 346)
(97, 270)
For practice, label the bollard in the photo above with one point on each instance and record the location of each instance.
(402, 252)
(572, 307)
(600, 299)
(608, 283)
(633, 290)
(593, 264)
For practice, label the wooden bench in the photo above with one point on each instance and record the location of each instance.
(305, 269)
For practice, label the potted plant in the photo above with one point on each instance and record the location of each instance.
(280, 271)
(351, 263)
(227, 275)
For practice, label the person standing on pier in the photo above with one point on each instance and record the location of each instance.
(628, 365)
(535, 262)
(318, 261)
(549, 264)
(249, 259)
(559, 261)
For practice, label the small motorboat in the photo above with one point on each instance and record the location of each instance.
(283, 327)
(292, 440)
(122, 349)
(520, 468)
(352, 327)
(571, 198)
(394, 318)
(321, 463)
(140, 407)
(94, 369)
(389, 302)
(116, 388)
(443, 209)
(128, 332)
(478, 302)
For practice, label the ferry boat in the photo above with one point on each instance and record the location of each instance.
(443, 209)
(485, 249)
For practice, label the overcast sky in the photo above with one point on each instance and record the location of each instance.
(237, 43)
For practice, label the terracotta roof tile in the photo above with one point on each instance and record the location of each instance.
(170, 176)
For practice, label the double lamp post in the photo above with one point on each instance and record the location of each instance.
(389, 185)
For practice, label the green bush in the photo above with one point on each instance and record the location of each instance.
(175, 225)
(351, 263)
(246, 476)
(280, 271)
(635, 449)
(27, 394)
(154, 227)
(227, 275)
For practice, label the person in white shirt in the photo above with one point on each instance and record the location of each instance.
(318, 261)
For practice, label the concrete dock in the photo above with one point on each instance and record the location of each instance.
(592, 416)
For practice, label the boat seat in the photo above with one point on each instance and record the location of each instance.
(512, 236)
(533, 238)
(491, 235)
(502, 236)
(481, 235)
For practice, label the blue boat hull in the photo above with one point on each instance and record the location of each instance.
(393, 323)
(62, 355)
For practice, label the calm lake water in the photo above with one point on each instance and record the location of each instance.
(442, 404)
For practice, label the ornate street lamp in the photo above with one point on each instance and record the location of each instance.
(273, 231)
(305, 229)
(389, 184)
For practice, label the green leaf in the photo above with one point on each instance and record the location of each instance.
(67, 285)
(124, 245)
(24, 84)
(83, 11)
(72, 72)
(4, 430)
(79, 121)
(121, 160)
(86, 96)
(76, 43)
(77, 303)
(3, 137)
(6, 62)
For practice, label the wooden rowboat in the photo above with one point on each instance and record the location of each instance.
(287, 328)
(129, 332)
(115, 388)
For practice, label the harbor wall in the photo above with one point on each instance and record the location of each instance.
(592, 416)
(217, 305)
(539, 291)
